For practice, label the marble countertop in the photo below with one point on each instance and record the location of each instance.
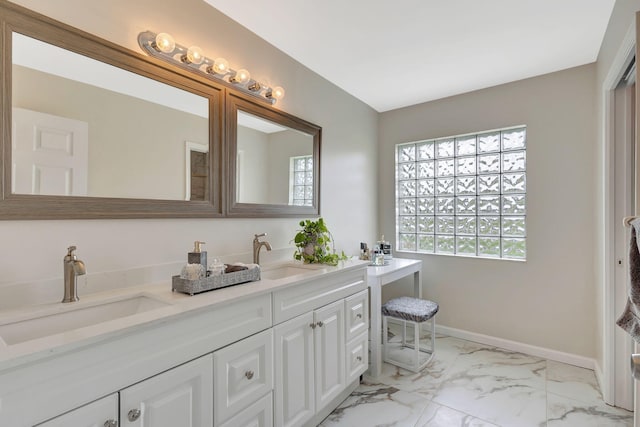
(176, 304)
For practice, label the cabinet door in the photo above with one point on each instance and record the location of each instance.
(357, 314)
(182, 396)
(329, 352)
(294, 381)
(243, 373)
(101, 413)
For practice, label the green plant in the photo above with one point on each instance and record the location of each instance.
(314, 244)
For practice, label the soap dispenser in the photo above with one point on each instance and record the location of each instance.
(198, 256)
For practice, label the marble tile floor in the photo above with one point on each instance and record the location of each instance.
(474, 385)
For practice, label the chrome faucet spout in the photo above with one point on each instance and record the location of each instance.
(257, 245)
(73, 268)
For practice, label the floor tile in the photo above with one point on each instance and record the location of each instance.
(474, 385)
(565, 412)
(573, 382)
(378, 405)
(441, 416)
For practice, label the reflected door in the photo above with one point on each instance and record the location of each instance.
(49, 154)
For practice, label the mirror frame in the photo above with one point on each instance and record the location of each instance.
(15, 18)
(238, 101)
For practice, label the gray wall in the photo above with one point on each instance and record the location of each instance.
(549, 300)
(348, 149)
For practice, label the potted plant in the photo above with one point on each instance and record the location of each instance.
(314, 244)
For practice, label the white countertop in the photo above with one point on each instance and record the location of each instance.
(177, 304)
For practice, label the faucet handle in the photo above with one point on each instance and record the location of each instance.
(70, 250)
(260, 235)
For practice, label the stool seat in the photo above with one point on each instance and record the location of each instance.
(407, 308)
(414, 311)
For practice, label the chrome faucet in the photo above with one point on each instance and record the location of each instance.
(73, 267)
(257, 245)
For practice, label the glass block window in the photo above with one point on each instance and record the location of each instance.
(463, 195)
(301, 181)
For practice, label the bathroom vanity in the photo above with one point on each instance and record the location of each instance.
(283, 351)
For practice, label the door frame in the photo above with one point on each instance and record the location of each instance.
(620, 64)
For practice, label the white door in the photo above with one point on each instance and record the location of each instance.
(50, 154)
(624, 130)
(330, 352)
(294, 368)
(101, 413)
(182, 396)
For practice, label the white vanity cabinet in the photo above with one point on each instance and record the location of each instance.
(311, 346)
(101, 413)
(284, 356)
(181, 396)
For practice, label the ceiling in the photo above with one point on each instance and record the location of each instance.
(392, 54)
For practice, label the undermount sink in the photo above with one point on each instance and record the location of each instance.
(75, 318)
(282, 272)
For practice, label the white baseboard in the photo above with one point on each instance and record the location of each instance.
(545, 353)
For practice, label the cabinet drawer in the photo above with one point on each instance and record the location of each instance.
(314, 293)
(357, 357)
(357, 314)
(259, 414)
(243, 373)
(96, 413)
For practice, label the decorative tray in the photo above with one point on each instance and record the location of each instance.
(210, 283)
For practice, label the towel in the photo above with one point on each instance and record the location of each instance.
(630, 319)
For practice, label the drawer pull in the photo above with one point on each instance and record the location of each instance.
(320, 323)
(133, 415)
(313, 325)
(110, 423)
(248, 374)
(359, 358)
(359, 316)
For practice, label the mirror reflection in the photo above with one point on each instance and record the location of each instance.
(274, 163)
(85, 128)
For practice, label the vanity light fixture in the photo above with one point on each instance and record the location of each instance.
(193, 59)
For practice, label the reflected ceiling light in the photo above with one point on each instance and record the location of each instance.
(163, 46)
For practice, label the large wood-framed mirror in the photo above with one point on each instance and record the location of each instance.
(92, 130)
(273, 161)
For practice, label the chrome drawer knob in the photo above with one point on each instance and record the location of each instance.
(248, 374)
(320, 323)
(313, 325)
(359, 358)
(359, 316)
(133, 414)
(110, 423)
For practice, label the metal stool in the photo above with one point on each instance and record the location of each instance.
(414, 311)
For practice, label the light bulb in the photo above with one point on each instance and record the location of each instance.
(276, 93)
(194, 56)
(220, 66)
(164, 43)
(242, 76)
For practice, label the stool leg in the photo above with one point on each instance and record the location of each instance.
(433, 334)
(404, 333)
(384, 338)
(416, 344)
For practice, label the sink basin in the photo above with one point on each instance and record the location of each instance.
(75, 318)
(282, 272)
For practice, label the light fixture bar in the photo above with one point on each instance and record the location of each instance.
(163, 46)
